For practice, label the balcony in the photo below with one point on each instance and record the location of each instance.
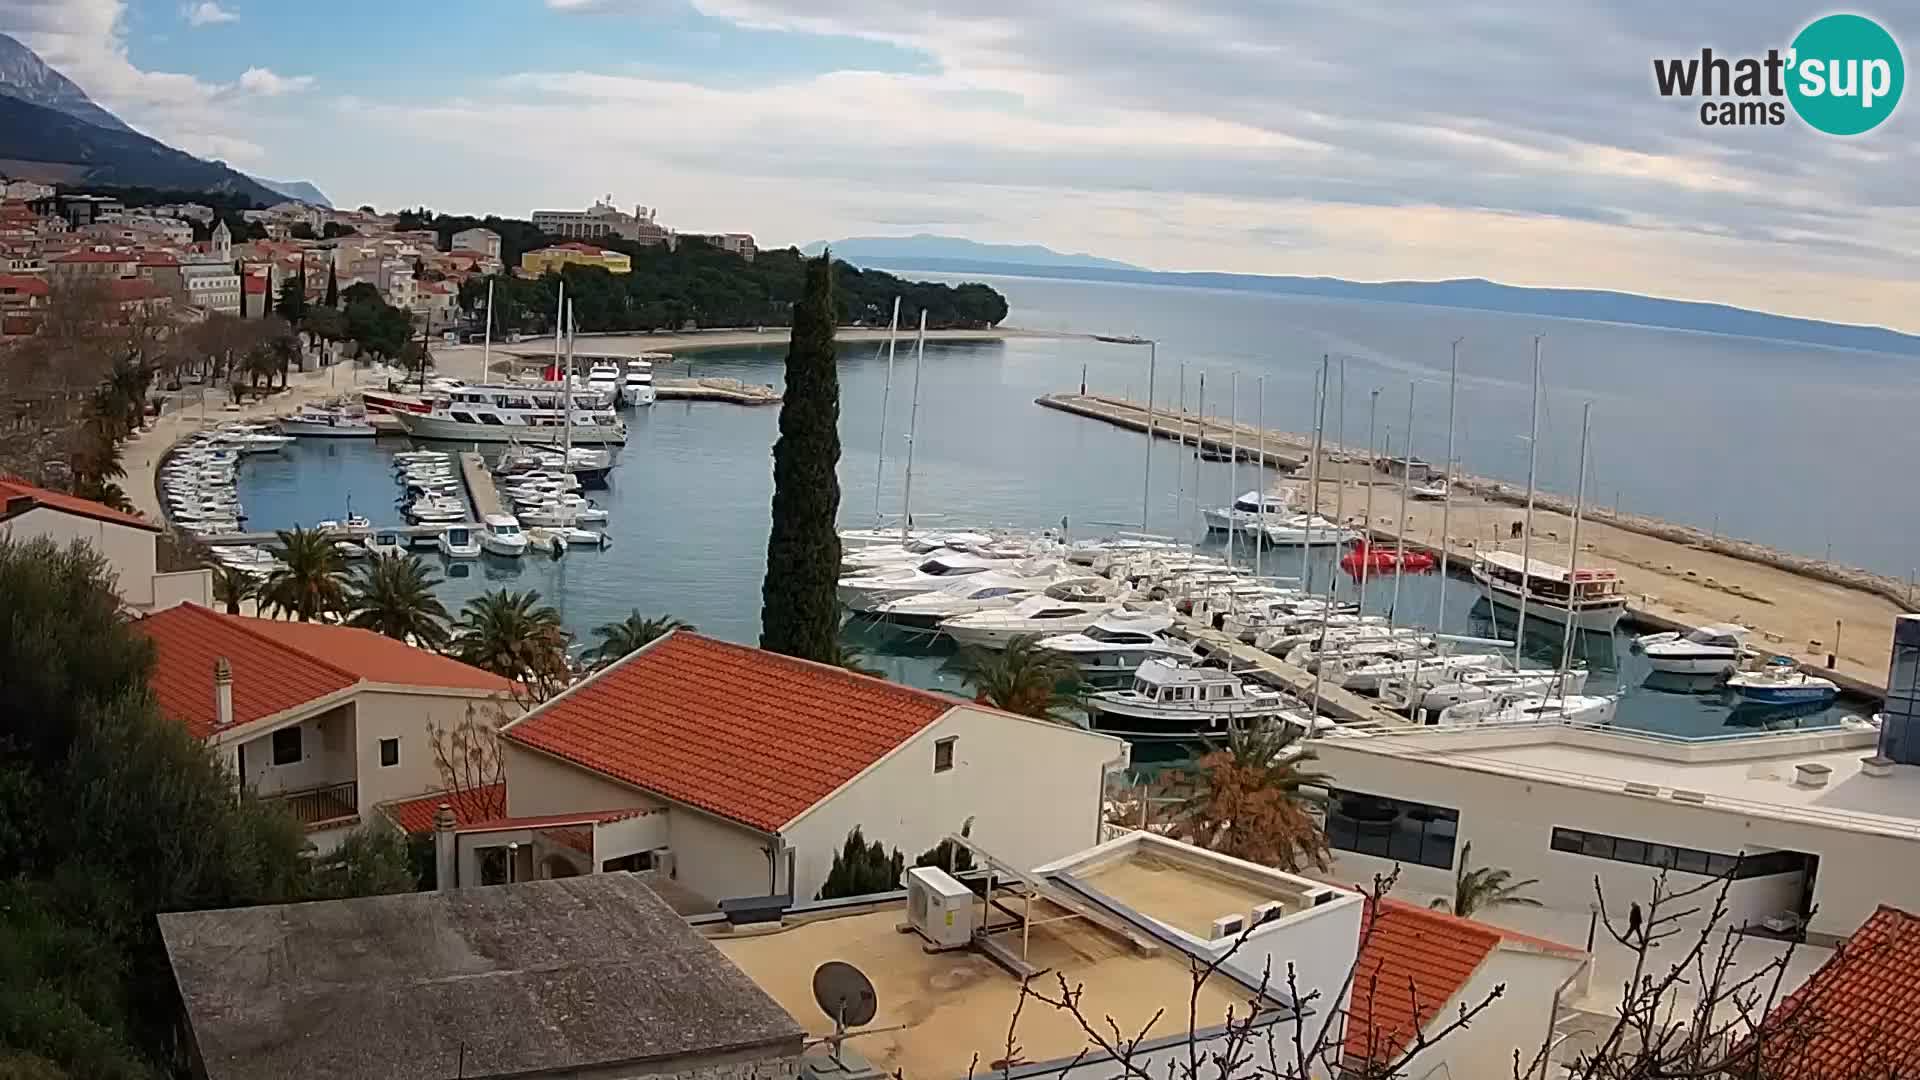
(314, 807)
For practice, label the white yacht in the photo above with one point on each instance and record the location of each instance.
(314, 422)
(563, 511)
(1593, 598)
(636, 384)
(1531, 709)
(1040, 615)
(1244, 515)
(1301, 530)
(511, 412)
(990, 591)
(502, 536)
(249, 439)
(870, 590)
(354, 525)
(1120, 641)
(386, 542)
(1170, 700)
(1779, 682)
(603, 378)
(1431, 491)
(459, 543)
(1705, 650)
(1367, 673)
(544, 537)
(434, 509)
(1416, 692)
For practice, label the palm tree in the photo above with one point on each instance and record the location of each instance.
(1023, 678)
(231, 588)
(309, 584)
(621, 638)
(514, 635)
(393, 595)
(1247, 799)
(854, 659)
(1484, 887)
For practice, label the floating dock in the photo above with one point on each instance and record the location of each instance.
(481, 493)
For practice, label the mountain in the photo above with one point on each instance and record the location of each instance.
(927, 251)
(25, 76)
(45, 144)
(295, 189)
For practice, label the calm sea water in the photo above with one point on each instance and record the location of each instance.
(1689, 427)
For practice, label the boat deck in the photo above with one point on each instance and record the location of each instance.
(1335, 701)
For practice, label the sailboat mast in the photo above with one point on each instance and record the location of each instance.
(913, 426)
(1233, 459)
(566, 383)
(1526, 534)
(886, 397)
(1446, 477)
(486, 336)
(1146, 468)
(559, 321)
(1400, 526)
(1366, 534)
(1260, 474)
(1313, 476)
(1339, 492)
(1199, 439)
(1573, 558)
(1179, 466)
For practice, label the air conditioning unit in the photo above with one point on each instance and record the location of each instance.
(663, 861)
(940, 909)
(1228, 926)
(1269, 911)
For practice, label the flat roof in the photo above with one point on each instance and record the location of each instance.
(950, 1006)
(1181, 896)
(1752, 775)
(539, 978)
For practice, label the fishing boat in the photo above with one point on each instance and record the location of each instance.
(1170, 700)
(1780, 682)
(1705, 650)
(319, 423)
(1593, 599)
(496, 413)
(1245, 513)
(1036, 615)
(501, 535)
(636, 383)
(458, 543)
(1120, 641)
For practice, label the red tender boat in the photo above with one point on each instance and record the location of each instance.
(1381, 560)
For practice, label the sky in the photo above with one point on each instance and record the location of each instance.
(1516, 140)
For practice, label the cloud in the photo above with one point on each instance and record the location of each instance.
(266, 83)
(207, 13)
(226, 148)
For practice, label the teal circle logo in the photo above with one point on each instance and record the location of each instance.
(1846, 74)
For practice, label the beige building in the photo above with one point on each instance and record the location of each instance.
(737, 243)
(753, 767)
(603, 219)
(126, 541)
(330, 720)
(484, 241)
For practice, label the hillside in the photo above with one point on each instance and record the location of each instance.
(26, 77)
(929, 251)
(302, 190)
(30, 133)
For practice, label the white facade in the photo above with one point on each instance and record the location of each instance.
(129, 550)
(212, 286)
(484, 241)
(602, 220)
(28, 190)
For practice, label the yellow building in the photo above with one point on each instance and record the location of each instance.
(535, 263)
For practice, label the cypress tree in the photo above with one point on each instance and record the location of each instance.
(333, 287)
(266, 299)
(799, 613)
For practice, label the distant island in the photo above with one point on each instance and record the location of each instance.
(927, 252)
(1475, 294)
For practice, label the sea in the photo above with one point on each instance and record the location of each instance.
(1783, 443)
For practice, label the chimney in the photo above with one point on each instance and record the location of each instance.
(446, 869)
(222, 693)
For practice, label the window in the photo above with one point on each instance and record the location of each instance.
(1670, 857)
(943, 753)
(389, 752)
(286, 746)
(1387, 828)
(639, 860)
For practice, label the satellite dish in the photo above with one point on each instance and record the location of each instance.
(845, 994)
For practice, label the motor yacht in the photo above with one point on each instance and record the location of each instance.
(1037, 615)
(1244, 516)
(321, 423)
(1302, 530)
(1170, 700)
(565, 511)
(1415, 694)
(1705, 650)
(1593, 598)
(459, 542)
(518, 413)
(869, 590)
(1780, 682)
(354, 525)
(385, 542)
(1367, 673)
(636, 384)
(1119, 642)
(501, 535)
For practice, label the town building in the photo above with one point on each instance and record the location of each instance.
(211, 286)
(127, 541)
(83, 210)
(738, 243)
(592, 978)
(138, 296)
(542, 260)
(331, 721)
(602, 220)
(1859, 1015)
(22, 292)
(26, 190)
(758, 766)
(1130, 920)
(484, 241)
(185, 211)
(98, 262)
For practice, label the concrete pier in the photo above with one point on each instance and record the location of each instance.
(480, 490)
(1336, 701)
(1205, 433)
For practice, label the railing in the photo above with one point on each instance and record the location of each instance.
(315, 806)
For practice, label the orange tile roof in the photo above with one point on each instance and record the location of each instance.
(1859, 1015)
(415, 816)
(376, 657)
(24, 284)
(1436, 953)
(752, 736)
(281, 665)
(129, 290)
(12, 488)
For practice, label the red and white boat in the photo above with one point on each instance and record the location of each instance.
(384, 401)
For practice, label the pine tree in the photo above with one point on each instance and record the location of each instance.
(799, 613)
(292, 301)
(333, 287)
(860, 869)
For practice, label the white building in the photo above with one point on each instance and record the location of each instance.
(754, 767)
(602, 220)
(127, 541)
(331, 721)
(738, 243)
(484, 241)
(27, 190)
(211, 286)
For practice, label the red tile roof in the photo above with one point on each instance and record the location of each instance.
(376, 657)
(752, 736)
(24, 284)
(254, 284)
(130, 290)
(415, 816)
(90, 256)
(281, 665)
(1436, 953)
(1859, 1015)
(12, 488)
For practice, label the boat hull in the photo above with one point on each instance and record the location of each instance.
(1703, 662)
(433, 427)
(1600, 617)
(1786, 695)
(307, 429)
(1146, 724)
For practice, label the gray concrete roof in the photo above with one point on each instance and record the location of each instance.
(533, 978)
